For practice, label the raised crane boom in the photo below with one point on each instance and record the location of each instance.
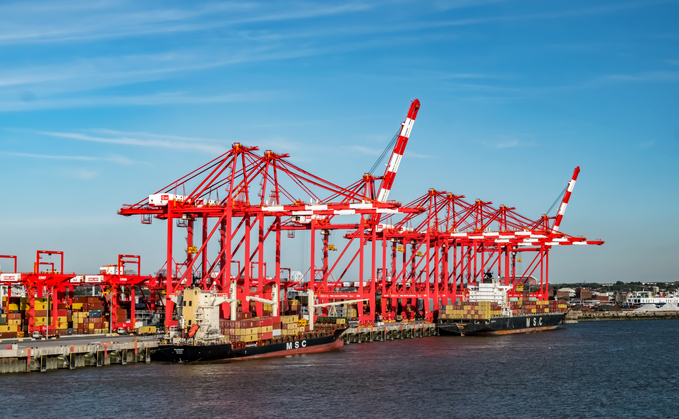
(566, 197)
(397, 153)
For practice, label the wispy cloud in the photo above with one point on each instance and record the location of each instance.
(116, 20)
(117, 159)
(144, 140)
(81, 173)
(504, 143)
(650, 76)
(174, 98)
(364, 150)
(463, 4)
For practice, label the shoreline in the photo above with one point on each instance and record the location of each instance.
(574, 316)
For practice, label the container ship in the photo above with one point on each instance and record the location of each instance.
(489, 311)
(203, 337)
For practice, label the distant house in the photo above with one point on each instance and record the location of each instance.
(583, 293)
(621, 297)
(565, 293)
(603, 298)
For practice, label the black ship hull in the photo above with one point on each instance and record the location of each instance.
(226, 352)
(501, 325)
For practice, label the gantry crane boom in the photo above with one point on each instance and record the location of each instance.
(397, 153)
(566, 197)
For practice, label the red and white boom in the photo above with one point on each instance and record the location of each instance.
(397, 153)
(566, 197)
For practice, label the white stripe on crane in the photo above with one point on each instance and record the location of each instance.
(571, 185)
(407, 127)
(382, 197)
(562, 208)
(345, 212)
(394, 162)
(274, 208)
(316, 207)
(360, 206)
(302, 213)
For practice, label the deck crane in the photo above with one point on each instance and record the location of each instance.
(564, 202)
(397, 153)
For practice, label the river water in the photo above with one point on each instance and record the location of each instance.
(599, 369)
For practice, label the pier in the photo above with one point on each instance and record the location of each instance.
(575, 316)
(389, 331)
(93, 351)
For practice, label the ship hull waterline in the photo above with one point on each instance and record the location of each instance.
(501, 325)
(226, 353)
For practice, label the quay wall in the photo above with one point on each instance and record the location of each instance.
(574, 316)
(23, 359)
(389, 331)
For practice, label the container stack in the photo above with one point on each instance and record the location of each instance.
(14, 321)
(11, 319)
(292, 307)
(89, 316)
(290, 325)
(351, 311)
(471, 310)
(121, 315)
(248, 330)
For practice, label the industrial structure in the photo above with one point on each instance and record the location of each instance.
(398, 261)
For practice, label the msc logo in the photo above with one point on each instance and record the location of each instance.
(295, 345)
(536, 322)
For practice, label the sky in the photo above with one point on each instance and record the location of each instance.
(105, 102)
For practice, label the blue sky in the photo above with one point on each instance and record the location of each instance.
(104, 102)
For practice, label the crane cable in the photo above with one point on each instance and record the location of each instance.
(387, 149)
(558, 198)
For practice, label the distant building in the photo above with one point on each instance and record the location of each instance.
(621, 297)
(565, 293)
(602, 298)
(583, 293)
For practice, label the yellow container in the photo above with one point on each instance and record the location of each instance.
(90, 326)
(12, 306)
(77, 306)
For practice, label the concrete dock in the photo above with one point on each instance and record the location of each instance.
(389, 331)
(29, 355)
(575, 316)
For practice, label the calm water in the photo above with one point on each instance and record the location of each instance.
(608, 369)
